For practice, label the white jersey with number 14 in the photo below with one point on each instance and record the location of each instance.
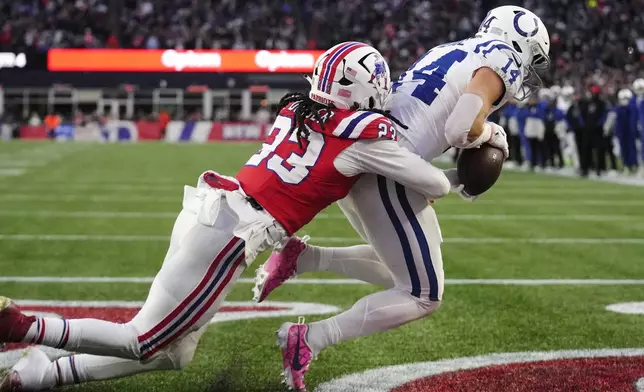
(425, 95)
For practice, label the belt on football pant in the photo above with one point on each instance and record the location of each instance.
(254, 203)
(216, 181)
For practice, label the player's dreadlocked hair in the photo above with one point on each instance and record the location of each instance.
(307, 108)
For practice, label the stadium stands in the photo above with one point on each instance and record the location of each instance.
(597, 41)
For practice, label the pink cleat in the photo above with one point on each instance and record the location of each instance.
(280, 267)
(14, 325)
(296, 354)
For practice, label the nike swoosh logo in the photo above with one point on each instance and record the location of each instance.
(296, 358)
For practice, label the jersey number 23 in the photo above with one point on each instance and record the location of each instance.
(293, 168)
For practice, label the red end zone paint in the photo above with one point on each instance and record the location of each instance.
(606, 370)
(123, 311)
(117, 315)
(614, 374)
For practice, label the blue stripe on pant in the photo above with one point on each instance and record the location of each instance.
(422, 242)
(402, 236)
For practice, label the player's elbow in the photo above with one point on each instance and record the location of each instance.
(444, 187)
(440, 187)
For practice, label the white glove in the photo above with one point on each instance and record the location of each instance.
(498, 139)
(456, 186)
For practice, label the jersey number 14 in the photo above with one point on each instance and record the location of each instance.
(432, 84)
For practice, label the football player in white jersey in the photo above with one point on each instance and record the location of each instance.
(444, 99)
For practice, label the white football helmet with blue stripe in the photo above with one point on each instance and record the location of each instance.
(528, 36)
(351, 75)
(638, 86)
(624, 96)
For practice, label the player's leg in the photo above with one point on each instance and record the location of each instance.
(199, 270)
(534, 144)
(404, 232)
(548, 149)
(36, 372)
(612, 159)
(98, 336)
(356, 262)
(632, 153)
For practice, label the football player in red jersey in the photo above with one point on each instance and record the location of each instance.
(316, 151)
(445, 97)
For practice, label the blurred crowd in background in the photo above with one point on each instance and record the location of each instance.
(593, 41)
(594, 133)
(585, 120)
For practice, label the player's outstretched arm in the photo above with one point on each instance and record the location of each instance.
(387, 158)
(466, 127)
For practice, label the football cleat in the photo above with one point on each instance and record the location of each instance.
(296, 354)
(14, 325)
(280, 267)
(10, 382)
(28, 373)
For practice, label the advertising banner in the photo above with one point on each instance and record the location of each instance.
(112, 131)
(23, 60)
(130, 131)
(204, 131)
(135, 60)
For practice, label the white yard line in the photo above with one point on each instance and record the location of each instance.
(39, 156)
(153, 198)
(342, 240)
(11, 172)
(80, 197)
(540, 217)
(82, 237)
(325, 216)
(63, 189)
(91, 214)
(505, 240)
(76, 188)
(316, 281)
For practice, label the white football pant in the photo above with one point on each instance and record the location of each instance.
(404, 256)
(199, 269)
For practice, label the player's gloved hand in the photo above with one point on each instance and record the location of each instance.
(498, 139)
(457, 187)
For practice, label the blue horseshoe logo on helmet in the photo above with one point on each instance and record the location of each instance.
(520, 31)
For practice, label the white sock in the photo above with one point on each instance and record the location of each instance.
(377, 312)
(357, 262)
(83, 368)
(89, 336)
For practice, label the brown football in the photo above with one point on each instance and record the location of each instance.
(479, 168)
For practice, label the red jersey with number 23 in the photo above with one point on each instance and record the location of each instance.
(294, 183)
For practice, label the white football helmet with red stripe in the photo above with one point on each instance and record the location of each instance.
(351, 75)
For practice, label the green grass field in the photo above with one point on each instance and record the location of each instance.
(527, 227)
